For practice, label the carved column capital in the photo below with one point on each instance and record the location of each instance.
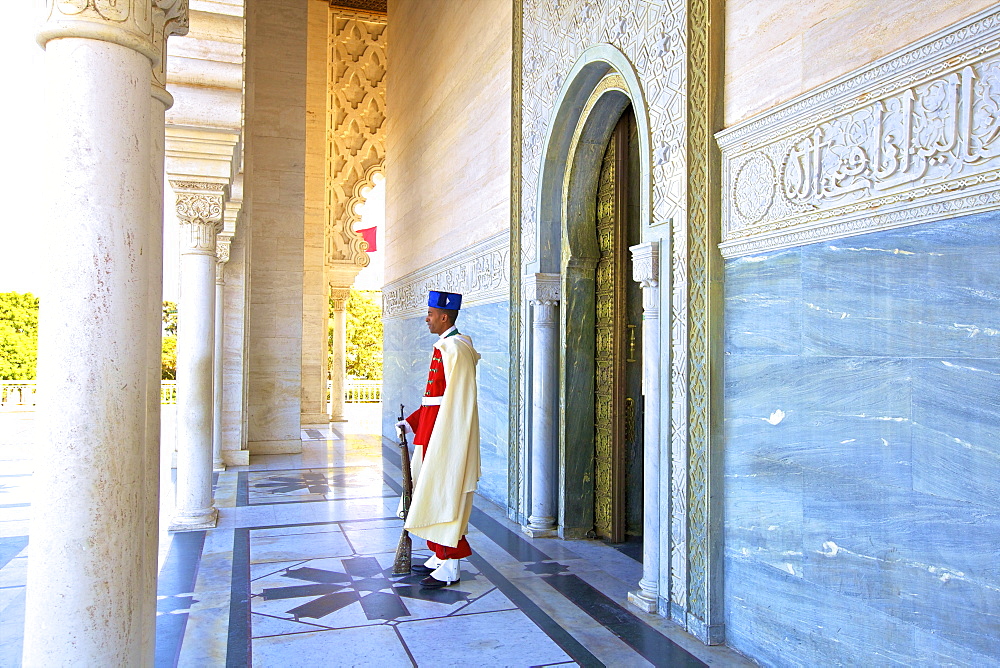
(646, 264)
(200, 208)
(222, 243)
(338, 298)
(542, 289)
(128, 23)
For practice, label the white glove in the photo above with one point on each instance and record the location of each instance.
(405, 426)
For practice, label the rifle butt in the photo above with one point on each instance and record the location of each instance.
(404, 551)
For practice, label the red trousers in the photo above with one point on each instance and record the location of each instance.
(460, 551)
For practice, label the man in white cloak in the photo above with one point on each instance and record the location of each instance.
(446, 446)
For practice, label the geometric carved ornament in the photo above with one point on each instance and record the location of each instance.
(355, 127)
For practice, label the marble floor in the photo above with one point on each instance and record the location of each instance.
(299, 573)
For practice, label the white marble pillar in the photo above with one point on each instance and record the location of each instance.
(88, 577)
(646, 272)
(199, 211)
(168, 20)
(338, 369)
(222, 257)
(542, 292)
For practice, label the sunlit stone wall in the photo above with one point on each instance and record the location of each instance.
(448, 202)
(448, 141)
(777, 49)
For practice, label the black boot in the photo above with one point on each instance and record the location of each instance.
(430, 582)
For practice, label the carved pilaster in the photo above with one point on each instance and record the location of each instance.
(542, 288)
(646, 272)
(222, 243)
(200, 209)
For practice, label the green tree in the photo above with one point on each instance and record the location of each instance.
(364, 335)
(168, 363)
(170, 318)
(18, 336)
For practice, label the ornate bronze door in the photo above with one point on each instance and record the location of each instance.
(614, 411)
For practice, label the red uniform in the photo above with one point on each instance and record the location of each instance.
(422, 422)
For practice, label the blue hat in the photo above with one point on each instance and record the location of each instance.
(446, 300)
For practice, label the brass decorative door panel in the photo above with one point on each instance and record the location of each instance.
(610, 350)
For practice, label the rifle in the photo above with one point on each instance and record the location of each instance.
(404, 549)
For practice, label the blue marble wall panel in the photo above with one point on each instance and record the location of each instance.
(862, 462)
(407, 352)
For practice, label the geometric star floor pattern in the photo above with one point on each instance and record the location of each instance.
(299, 573)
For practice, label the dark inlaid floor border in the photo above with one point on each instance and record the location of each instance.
(642, 638)
(239, 648)
(174, 593)
(240, 639)
(633, 631)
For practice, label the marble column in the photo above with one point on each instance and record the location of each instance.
(168, 20)
(199, 210)
(88, 579)
(338, 368)
(646, 272)
(542, 292)
(222, 257)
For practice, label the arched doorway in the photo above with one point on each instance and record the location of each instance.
(561, 284)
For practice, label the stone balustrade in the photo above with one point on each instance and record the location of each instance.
(17, 394)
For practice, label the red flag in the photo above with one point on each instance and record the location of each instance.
(369, 235)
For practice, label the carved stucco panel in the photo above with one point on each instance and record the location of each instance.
(355, 127)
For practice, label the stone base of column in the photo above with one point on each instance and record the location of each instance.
(236, 457)
(204, 521)
(219, 466)
(540, 527)
(292, 446)
(308, 419)
(641, 600)
(540, 533)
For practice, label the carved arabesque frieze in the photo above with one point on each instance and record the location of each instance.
(355, 127)
(480, 273)
(913, 138)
